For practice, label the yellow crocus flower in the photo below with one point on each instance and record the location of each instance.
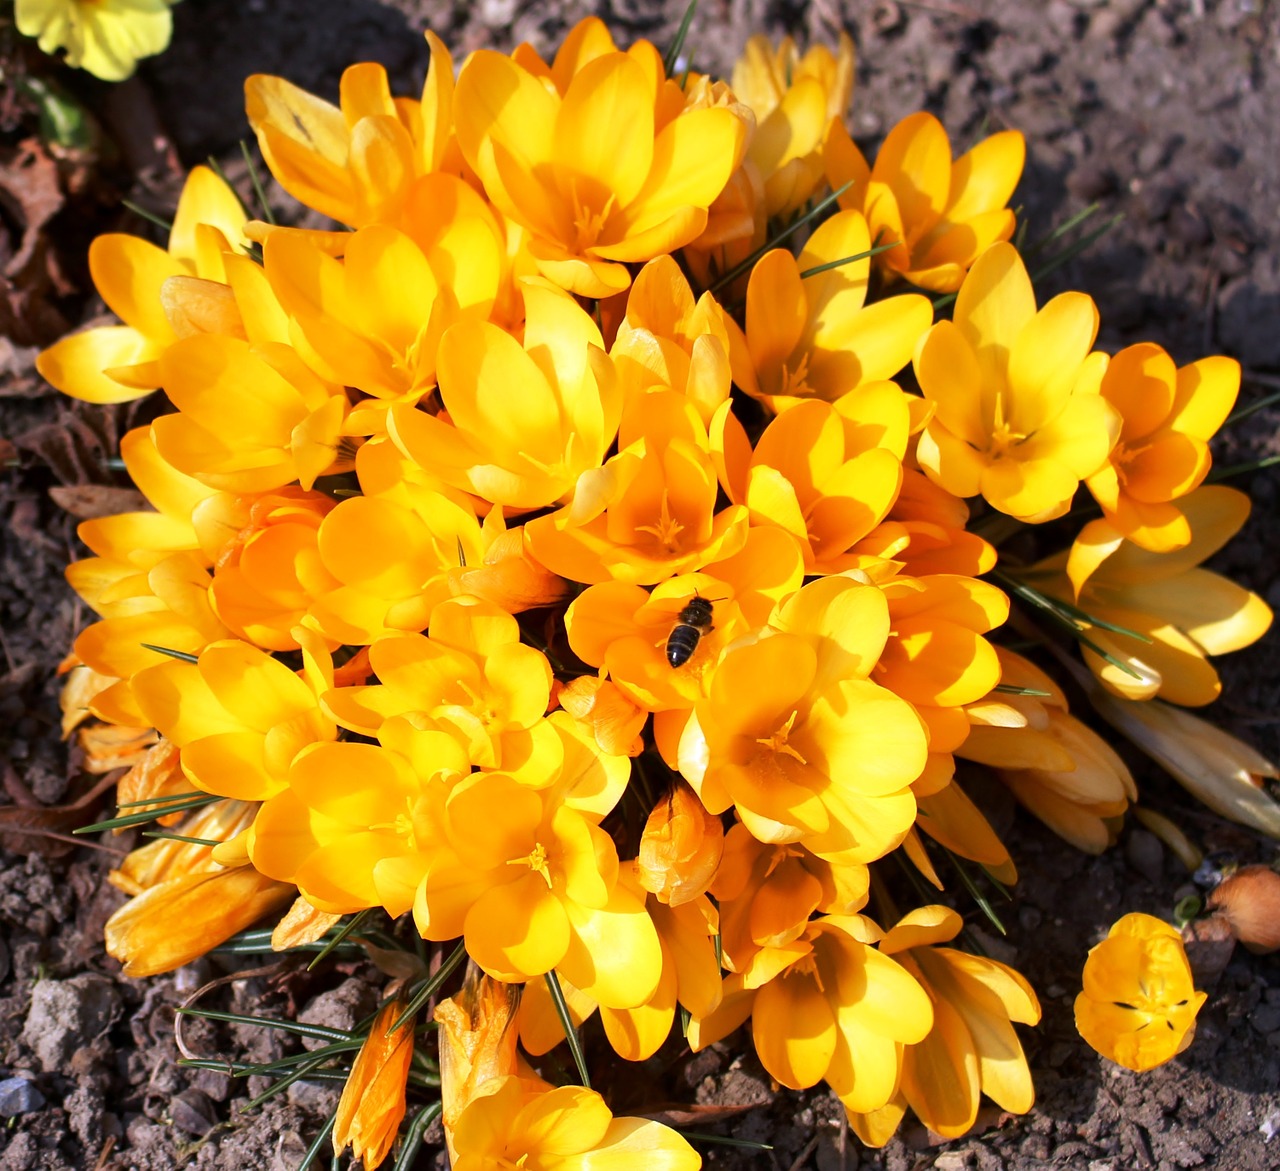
(972, 1048)
(814, 336)
(944, 214)
(1139, 1003)
(147, 287)
(1018, 418)
(593, 200)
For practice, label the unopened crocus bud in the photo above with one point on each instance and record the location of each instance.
(615, 721)
(680, 848)
(1249, 900)
(372, 1105)
(477, 1043)
(1222, 771)
(181, 919)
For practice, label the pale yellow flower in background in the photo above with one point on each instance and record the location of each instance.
(105, 37)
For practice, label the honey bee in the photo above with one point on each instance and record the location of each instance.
(691, 624)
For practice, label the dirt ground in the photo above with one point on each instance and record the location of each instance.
(1166, 112)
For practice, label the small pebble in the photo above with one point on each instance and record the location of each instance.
(19, 1096)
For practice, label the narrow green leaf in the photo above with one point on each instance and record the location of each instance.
(149, 216)
(341, 934)
(142, 818)
(722, 1140)
(1010, 689)
(313, 1151)
(413, 1136)
(1242, 469)
(431, 986)
(1061, 230)
(164, 650)
(267, 1022)
(682, 34)
(746, 265)
(975, 892)
(258, 190)
(1073, 250)
(566, 1023)
(808, 272)
(1252, 409)
(168, 837)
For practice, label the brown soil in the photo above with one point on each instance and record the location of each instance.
(1164, 111)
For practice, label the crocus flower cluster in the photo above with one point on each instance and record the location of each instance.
(559, 559)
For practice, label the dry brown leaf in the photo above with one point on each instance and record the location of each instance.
(89, 501)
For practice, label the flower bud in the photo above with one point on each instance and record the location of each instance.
(1250, 902)
(372, 1104)
(477, 1043)
(680, 848)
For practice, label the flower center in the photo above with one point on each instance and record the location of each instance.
(1003, 436)
(536, 861)
(667, 531)
(796, 382)
(402, 826)
(778, 741)
(588, 224)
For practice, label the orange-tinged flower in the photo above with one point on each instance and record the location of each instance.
(667, 341)
(301, 924)
(972, 1048)
(680, 848)
(528, 1125)
(1167, 417)
(766, 894)
(814, 336)
(827, 1006)
(1139, 1003)
(795, 99)
(141, 284)
(239, 716)
(932, 522)
(523, 450)
(372, 1105)
(168, 858)
(826, 474)
(107, 747)
(470, 675)
(180, 919)
(944, 214)
(1061, 770)
(506, 574)
(168, 607)
(1019, 419)
(649, 512)
(250, 418)
(592, 200)
(615, 722)
(158, 775)
(265, 569)
(354, 162)
(477, 1044)
(1181, 612)
(794, 734)
(624, 629)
